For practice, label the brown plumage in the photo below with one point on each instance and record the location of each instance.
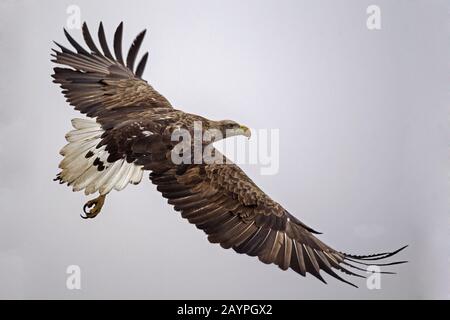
(130, 131)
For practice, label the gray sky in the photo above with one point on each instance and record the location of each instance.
(363, 119)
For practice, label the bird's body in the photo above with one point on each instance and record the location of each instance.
(130, 129)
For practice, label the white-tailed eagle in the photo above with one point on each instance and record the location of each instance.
(128, 131)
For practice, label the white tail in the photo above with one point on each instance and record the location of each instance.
(86, 167)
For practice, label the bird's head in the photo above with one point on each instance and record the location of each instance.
(230, 128)
(211, 130)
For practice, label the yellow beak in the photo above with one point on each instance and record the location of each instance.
(246, 131)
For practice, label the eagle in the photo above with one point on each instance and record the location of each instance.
(128, 129)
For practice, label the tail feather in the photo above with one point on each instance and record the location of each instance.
(85, 165)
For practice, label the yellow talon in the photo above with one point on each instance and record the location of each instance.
(96, 205)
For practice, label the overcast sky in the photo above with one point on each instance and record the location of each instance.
(363, 120)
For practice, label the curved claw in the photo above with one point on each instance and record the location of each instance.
(88, 204)
(93, 207)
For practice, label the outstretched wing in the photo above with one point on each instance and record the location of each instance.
(112, 150)
(223, 202)
(101, 85)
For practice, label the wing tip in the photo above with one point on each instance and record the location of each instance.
(375, 256)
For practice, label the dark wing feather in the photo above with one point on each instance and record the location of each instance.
(103, 42)
(98, 85)
(75, 44)
(88, 39)
(141, 65)
(132, 53)
(234, 212)
(118, 43)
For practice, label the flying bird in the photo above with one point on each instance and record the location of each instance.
(128, 130)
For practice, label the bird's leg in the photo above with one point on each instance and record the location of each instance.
(96, 205)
